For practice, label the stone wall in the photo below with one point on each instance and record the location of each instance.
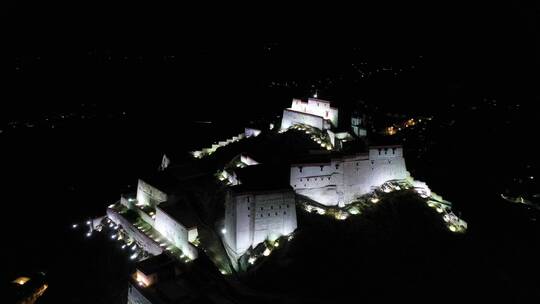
(146, 243)
(253, 217)
(342, 180)
(175, 232)
(291, 118)
(149, 195)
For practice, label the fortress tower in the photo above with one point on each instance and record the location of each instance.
(340, 180)
(315, 112)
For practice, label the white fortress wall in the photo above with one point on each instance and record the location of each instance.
(291, 117)
(344, 179)
(275, 215)
(320, 182)
(315, 112)
(238, 222)
(251, 132)
(322, 108)
(144, 241)
(175, 232)
(248, 160)
(251, 218)
(148, 195)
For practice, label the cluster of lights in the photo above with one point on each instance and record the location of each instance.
(453, 223)
(433, 200)
(392, 130)
(269, 247)
(208, 151)
(309, 131)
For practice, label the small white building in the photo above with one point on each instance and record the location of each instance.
(340, 180)
(158, 206)
(315, 112)
(253, 216)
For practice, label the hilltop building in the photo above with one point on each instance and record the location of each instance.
(339, 180)
(315, 112)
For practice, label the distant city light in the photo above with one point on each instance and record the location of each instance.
(74, 225)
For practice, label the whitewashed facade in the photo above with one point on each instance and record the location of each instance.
(342, 179)
(251, 217)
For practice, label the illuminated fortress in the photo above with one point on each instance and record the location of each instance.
(234, 202)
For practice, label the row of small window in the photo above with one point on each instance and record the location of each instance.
(271, 207)
(322, 178)
(386, 151)
(337, 167)
(322, 167)
(269, 214)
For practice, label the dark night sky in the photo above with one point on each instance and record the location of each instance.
(221, 51)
